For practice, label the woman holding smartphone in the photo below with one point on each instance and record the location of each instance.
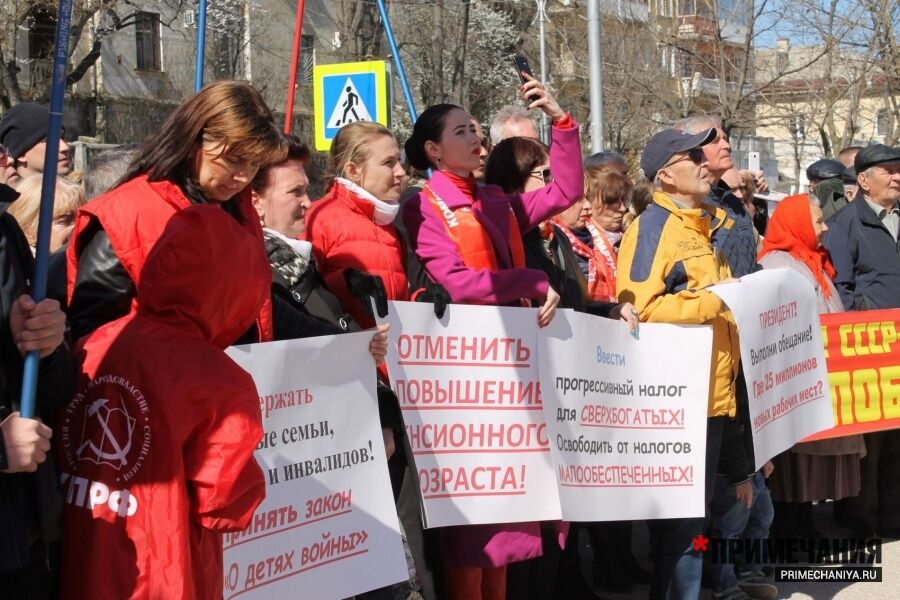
(469, 240)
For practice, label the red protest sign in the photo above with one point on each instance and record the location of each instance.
(862, 351)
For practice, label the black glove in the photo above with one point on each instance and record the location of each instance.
(365, 286)
(437, 295)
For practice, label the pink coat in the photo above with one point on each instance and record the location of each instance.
(438, 253)
(501, 544)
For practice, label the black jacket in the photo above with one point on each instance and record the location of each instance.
(866, 257)
(297, 280)
(737, 244)
(30, 503)
(104, 291)
(558, 260)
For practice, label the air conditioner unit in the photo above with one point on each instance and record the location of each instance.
(189, 18)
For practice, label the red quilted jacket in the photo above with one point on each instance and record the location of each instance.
(156, 447)
(344, 236)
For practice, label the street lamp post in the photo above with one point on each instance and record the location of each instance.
(596, 73)
(542, 17)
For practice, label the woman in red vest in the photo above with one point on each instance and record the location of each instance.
(469, 239)
(206, 152)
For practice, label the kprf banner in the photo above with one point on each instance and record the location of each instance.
(626, 417)
(470, 394)
(862, 351)
(782, 357)
(328, 527)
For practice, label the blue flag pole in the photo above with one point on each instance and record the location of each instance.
(389, 32)
(201, 46)
(48, 189)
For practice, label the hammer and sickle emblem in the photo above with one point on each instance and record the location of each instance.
(110, 449)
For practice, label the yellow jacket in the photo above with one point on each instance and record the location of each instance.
(666, 260)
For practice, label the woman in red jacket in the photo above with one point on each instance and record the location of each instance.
(157, 460)
(357, 248)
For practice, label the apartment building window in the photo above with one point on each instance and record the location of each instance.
(41, 26)
(687, 8)
(147, 42)
(797, 126)
(883, 123)
(781, 62)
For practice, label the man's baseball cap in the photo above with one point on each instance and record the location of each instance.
(667, 143)
(875, 154)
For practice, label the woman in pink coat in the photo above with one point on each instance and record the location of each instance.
(468, 238)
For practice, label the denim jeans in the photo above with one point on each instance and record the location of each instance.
(731, 518)
(678, 568)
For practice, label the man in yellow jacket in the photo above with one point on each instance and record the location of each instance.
(666, 263)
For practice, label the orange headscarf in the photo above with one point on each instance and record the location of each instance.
(790, 230)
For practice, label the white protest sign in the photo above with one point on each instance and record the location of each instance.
(627, 417)
(328, 527)
(782, 356)
(469, 390)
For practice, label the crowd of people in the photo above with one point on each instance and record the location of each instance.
(204, 236)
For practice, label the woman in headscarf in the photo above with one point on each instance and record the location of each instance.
(827, 469)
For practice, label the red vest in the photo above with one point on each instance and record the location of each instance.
(134, 215)
(472, 240)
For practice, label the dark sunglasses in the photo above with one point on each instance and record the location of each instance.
(695, 155)
(545, 175)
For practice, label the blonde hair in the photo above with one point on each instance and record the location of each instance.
(351, 144)
(26, 209)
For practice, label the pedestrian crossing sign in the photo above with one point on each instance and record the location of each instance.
(348, 92)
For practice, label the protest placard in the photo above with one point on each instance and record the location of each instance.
(471, 399)
(782, 357)
(862, 351)
(328, 527)
(626, 417)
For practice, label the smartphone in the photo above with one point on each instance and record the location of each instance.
(753, 160)
(522, 66)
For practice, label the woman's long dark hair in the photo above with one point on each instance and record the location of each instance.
(231, 114)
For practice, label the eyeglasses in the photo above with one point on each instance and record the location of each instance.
(545, 175)
(694, 155)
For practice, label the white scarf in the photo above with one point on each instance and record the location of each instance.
(301, 247)
(385, 212)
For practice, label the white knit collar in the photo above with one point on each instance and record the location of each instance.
(385, 212)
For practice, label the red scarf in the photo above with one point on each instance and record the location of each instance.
(790, 230)
(601, 277)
